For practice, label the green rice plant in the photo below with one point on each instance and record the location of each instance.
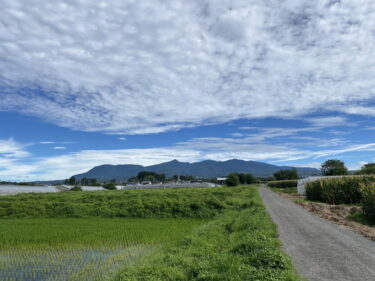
(337, 190)
(368, 201)
(283, 183)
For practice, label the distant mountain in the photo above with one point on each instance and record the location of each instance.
(204, 169)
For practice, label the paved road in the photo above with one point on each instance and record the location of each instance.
(320, 250)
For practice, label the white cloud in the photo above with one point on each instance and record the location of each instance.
(47, 142)
(323, 122)
(149, 66)
(59, 148)
(122, 138)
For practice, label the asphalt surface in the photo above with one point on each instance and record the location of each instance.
(320, 250)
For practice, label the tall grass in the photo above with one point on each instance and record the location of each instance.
(342, 190)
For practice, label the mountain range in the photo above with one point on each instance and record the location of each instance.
(203, 169)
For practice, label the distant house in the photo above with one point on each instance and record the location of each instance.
(146, 182)
(221, 180)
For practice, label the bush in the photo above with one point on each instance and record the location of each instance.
(283, 184)
(110, 186)
(76, 188)
(368, 201)
(343, 190)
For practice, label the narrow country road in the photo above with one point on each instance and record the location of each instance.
(321, 251)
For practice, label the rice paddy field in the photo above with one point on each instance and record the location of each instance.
(81, 249)
(184, 234)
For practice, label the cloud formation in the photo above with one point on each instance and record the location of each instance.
(130, 67)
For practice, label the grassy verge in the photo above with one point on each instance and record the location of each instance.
(238, 245)
(289, 190)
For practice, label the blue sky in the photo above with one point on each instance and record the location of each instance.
(86, 83)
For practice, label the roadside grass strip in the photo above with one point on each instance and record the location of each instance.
(238, 245)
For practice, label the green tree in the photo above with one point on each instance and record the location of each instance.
(367, 169)
(233, 179)
(290, 174)
(72, 181)
(246, 178)
(334, 167)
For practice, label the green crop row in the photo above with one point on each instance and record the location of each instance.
(340, 190)
(238, 245)
(283, 183)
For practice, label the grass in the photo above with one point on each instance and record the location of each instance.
(361, 218)
(237, 245)
(289, 190)
(164, 234)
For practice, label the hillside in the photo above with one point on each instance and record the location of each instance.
(204, 169)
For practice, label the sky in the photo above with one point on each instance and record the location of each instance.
(85, 83)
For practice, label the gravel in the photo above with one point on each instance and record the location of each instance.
(320, 250)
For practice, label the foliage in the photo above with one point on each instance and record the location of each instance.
(71, 181)
(246, 178)
(368, 201)
(337, 190)
(290, 174)
(283, 183)
(233, 179)
(367, 169)
(76, 188)
(89, 181)
(182, 202)
(333, 167)
(110, 186)
(238, 245)
(150, 176)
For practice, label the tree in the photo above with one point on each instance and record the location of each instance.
(233, 179)
(286, 175)
(333, 167)
(246, 178)
(72, 181)
(367, 169)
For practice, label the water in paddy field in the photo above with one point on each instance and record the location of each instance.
(15, 189)
(61, 265)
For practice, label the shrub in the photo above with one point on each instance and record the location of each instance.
(283, 184)
(110, 186)
(76, 188)
(343, 190)
(368, 201)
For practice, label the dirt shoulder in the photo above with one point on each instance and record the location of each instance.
(337, 214)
